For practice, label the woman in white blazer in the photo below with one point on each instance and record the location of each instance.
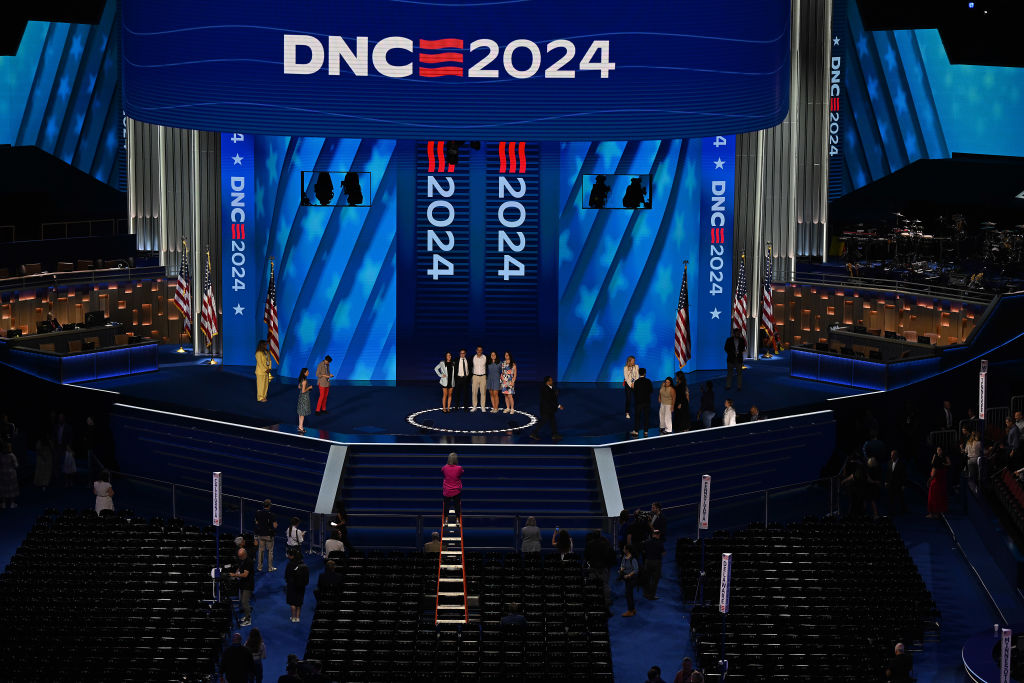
(445, 370)
(630, 374)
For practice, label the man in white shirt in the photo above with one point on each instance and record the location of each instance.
(729, 416)
(479, 379)
(462, 374)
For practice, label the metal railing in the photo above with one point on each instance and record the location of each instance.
(81, 277)
(106, 227)
(948, 439)
(894, 286)
(1016, 403)
(742, 508)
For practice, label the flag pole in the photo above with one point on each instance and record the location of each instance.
(686, 284)
(270, 375)
(209, 343)
(181, 343)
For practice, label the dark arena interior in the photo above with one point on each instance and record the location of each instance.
(512, 341)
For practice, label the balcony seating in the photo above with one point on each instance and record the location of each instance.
(111, 598)
(819, 600)
(379, 624)
(1010, 497)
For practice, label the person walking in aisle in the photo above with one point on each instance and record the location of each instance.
(462, 377)
(296, 578)
(508, 382)
(938, 488)
(9, 490)
(654, 552)
(642, 390)
(323, 383)
(265, 527)
(302, 407)
(445, 370)
(549, 407)
(255, 645)
(493, 379)
(479, 389)
(630, 373)
(666, 402)
(629, 571)
(294, 536)
(262, 371)
(451, 484)
(104, 492)
(735, 348)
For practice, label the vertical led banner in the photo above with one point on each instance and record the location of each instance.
(240, 271)
(726, 584)
(705, 501)
(1006, 638)
(216, 498)
(712, 282)
(835, 99)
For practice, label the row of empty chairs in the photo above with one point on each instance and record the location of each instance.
(112, 597)
(1010, 496)
(378, 625)
(818, 600)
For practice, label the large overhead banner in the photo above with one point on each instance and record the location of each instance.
(527, 70)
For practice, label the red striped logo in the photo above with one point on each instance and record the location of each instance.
(238, 231)
(440, 57)
(833, 104)
(717, 235)
(435, 158)
(511, 157)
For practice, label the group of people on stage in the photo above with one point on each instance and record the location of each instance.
(481, 375)
(303, 406)
(673, 399)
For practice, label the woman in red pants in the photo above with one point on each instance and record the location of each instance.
(938, 487)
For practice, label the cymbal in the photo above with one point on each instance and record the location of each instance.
(988, 226)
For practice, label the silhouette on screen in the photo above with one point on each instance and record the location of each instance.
(324, 188)
(599, 193)
(634, 195)
(350, 186)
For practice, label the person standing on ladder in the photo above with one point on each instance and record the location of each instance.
(451, 487)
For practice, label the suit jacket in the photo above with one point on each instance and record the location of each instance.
(323, 372)
(262, 362)
(735, 349)
(897, 474)
(548, 400)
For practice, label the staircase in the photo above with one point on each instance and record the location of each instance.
(452, 605)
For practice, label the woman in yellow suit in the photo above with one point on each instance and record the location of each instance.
(262, 371)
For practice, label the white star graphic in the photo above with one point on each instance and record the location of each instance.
(715, 313)
(237, 159)
(835, 40)
(238, 309)
(719, 163)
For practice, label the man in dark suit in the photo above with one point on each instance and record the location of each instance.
(735, 349)
(897, 481)
(900, 665)
(642, 390)
(946, 416)
(463, 375)
(549, 407)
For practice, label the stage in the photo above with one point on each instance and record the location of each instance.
(375, 412)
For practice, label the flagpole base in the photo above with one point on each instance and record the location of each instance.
(181, 349)
(212, 361)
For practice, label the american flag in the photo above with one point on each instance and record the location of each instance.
(208, 313)
(270, 317)
(740, 301)
(767, 312)
(183, 292)
(683, 323)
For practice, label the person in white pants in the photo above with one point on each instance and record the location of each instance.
(666, 402)
(479, 388)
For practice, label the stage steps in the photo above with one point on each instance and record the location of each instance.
(501, 481)
(452, 604)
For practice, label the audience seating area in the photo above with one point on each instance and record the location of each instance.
(111, 598)
(1010, 496)
(378, 625)
(819, 600)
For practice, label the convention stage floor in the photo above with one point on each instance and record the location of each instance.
(365, 412)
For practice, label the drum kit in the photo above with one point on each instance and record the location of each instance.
(1003, 247)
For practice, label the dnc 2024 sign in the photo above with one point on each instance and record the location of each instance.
(529, 69)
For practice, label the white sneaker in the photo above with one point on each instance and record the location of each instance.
(627, 416)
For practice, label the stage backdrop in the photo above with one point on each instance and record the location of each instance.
(390, 253)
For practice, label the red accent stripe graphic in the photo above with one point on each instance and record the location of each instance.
(434, 71)
(435, 58)
(501, 157)
(430, 156)
(440, 156)
(834, 104)
(511, 157)
(522, 157)
(238, 231)
(441, 44)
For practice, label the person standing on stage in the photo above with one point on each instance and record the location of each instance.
(493, 379)
(549, 407)
(446, 371)
(666, 402)
(462, 376)
(630, 373)
(302, 407)
(508, 382)
(707, 404)
(642, 390)
(323, 383)
(262, 371)
(681, 412)
(451, 485)
(735, 348)
(479, 379)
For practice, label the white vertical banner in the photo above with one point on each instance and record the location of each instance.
(216, 498)
(705, 501)
(982, 376)
(723, 591)
(1004, 656)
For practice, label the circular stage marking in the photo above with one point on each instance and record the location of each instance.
(413, 421)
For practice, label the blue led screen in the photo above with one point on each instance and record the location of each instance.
(907, 102)
(62, 93)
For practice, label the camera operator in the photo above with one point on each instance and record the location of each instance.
(243, 571)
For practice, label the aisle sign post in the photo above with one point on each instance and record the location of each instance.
(723, 603)
(705, 500)
(1004, 656)
(216, 532)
